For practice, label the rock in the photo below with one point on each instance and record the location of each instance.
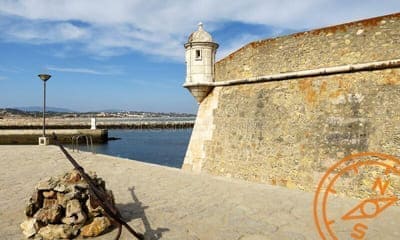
(78, 219)
(74, 213)
(73, 207)
(61, 231)
(29, 227)
(96, 227)
(60, 207)
(62, 200)
(49, 194)
(73, 177)
(37, 198)
(31, 208)
(71, 192)
(49, 203)
(48, 184)
(82, 186)
(49, 215)
(35, 202)
(94, 210)
(60, 188)
(68, 220)
(75, 219)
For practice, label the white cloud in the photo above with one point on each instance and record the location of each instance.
(160, 28)
(2, 78)
(106, 71)
(45, 32)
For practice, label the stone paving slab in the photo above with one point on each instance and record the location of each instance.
(167, 203)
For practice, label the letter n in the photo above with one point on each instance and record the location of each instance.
(382, 186)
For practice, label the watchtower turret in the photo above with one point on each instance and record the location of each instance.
(200, 59)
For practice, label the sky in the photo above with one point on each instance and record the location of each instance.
(129, 54)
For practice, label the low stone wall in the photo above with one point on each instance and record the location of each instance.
(64, 135)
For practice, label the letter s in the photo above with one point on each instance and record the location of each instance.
(359, 231)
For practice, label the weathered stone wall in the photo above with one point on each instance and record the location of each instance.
(289, 132)
(357, 42)
(202, 133)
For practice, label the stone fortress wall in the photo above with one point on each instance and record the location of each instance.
(357, 42)
(289, 132)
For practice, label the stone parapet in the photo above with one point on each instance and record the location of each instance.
(370, 40)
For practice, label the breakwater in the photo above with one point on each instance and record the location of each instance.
(30, 136)
(101, 123)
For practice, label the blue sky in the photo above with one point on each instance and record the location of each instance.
(128, 54)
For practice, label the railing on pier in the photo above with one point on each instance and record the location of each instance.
(88, 139)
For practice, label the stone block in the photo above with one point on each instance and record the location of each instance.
(44, 141)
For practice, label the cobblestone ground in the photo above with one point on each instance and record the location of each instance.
(167, 203)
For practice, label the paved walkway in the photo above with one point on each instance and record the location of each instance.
(177, 205)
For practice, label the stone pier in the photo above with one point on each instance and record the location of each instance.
(30, 136)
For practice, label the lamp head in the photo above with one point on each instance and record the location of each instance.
(44, 77)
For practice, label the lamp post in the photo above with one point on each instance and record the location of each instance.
(43, 140)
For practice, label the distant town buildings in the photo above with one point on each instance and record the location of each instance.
(11, 112)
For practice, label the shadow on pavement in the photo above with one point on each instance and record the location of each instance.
(135, 210)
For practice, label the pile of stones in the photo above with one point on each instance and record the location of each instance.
(61, 208)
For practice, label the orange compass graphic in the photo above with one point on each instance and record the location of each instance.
(368, 208)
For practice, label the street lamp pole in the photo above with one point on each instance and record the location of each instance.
(44, 108)
(44, 78)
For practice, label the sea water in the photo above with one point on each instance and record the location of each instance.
(164, 147)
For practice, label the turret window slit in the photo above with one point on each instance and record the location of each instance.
(198, 54)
